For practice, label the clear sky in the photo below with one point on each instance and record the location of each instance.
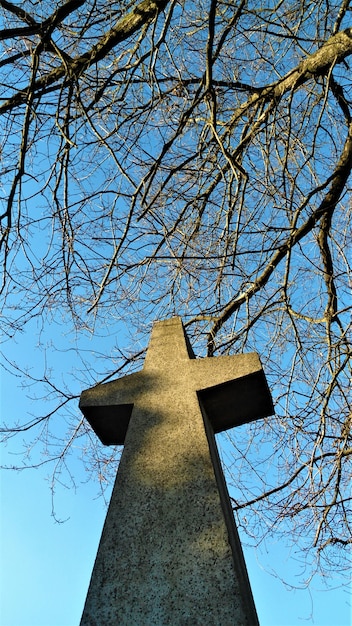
(46, 565)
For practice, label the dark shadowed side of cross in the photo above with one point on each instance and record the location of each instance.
(170, 552)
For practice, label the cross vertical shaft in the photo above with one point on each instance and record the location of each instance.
(169, 552)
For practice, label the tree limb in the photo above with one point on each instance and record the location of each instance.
(337, 184)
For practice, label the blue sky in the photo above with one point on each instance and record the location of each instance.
(46, 565)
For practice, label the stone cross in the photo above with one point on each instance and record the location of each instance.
(170, 554)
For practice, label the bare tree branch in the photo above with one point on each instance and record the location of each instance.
(163, 158)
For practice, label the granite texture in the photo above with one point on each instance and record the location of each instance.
(169, 554)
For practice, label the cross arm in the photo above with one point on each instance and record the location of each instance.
(232, 390)
(108, 407)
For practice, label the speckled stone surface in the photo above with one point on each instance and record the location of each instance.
(169, 554)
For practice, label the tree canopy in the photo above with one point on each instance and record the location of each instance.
(182, 157)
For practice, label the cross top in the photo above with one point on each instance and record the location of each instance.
(232, 390)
